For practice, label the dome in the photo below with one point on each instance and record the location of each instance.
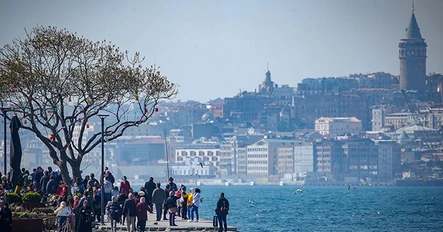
(207, 117)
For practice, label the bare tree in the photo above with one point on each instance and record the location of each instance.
(56, 82)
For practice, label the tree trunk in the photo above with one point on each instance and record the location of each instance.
(75, 166)
(64, 172)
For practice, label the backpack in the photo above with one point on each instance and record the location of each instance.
(225, 207)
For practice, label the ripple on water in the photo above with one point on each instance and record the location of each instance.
(277, 208)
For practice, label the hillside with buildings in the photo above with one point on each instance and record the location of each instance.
(374, 128)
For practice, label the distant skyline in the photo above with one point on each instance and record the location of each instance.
(213, 49)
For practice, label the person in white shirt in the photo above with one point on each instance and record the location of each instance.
(108, 189)
(196, 204)
(62, 212)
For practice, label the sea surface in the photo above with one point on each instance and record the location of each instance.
(326, 208)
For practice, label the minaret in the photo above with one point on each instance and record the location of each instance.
(412, 54)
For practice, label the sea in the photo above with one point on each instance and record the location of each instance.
(328, 208)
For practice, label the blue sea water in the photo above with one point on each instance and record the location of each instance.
(376, 208)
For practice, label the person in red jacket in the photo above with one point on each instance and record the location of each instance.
(125, 186)
(142, 215)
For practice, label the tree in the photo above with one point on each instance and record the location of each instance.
(57, 82)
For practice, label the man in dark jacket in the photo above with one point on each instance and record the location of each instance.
(130, 211)
(5, 217)
(36, 177)
(44, 181)
(149, 188)
(171, 186)
(51, 186)
(158, 198)
(83, 217)
(222, 211)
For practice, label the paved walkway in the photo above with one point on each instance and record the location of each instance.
(182, 225)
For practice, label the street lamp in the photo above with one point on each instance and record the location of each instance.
(4, 110)
(102, 204)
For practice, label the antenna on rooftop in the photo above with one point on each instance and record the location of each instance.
(267, 66)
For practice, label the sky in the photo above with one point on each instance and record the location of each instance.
(215, 48)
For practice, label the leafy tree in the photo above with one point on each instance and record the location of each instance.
(56, 82)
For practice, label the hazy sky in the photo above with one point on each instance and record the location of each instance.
(214, 48)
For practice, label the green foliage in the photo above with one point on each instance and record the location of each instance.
(31, 197)
(46, 210)
(23, 215)
(13, 198)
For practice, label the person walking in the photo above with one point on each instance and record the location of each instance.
(130, 211)
(84, 214)
(62, 212)
(149, 189)
(158, 198)
(142, 215)
(221, 211)
(115, 212)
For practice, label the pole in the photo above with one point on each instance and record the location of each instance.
(102, 176)
(4, 110)
(167, 155)
(4, 141)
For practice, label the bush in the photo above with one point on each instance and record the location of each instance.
(13, 198)
(23, 215)
(46, 210)
(31, 197)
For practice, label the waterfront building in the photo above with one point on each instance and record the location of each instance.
(262, 157)
(389, 159)
(208, 153)
(361, 158)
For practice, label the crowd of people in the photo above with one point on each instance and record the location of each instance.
(79, 202)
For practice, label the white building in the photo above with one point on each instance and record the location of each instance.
(303, 158)
(206, 153)
(337, 126)
(262, 157)
(378, 117)
(191, 167)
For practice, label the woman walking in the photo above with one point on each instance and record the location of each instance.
(62, 212)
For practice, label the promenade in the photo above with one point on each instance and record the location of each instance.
(182, 225)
